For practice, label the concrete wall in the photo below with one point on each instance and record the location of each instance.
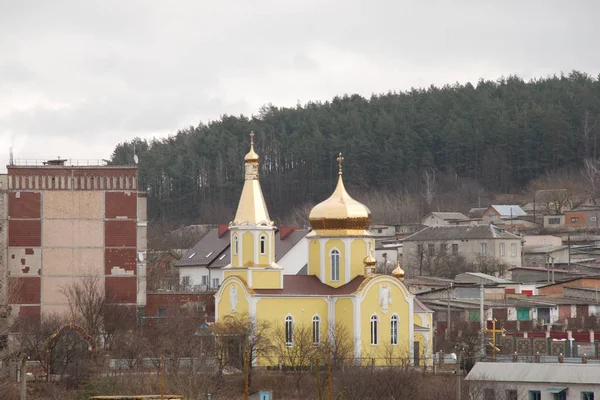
(541, 240)
(533, 259)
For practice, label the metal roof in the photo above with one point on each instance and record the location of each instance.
(213, 251)
(584, 374)
(505, 210)
(460, 232)
(449, 215)
(481, 275)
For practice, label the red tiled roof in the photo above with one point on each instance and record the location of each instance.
(306, 285)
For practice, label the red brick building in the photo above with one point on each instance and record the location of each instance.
(65, 223)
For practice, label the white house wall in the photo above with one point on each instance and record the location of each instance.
(296, 258)
(196, 273)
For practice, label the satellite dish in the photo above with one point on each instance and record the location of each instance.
(135, 159)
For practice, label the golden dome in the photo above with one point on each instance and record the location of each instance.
(251, 156)
(370, 261)
(398, 272)
(340, 214)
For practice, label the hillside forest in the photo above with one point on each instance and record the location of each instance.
(406, 153)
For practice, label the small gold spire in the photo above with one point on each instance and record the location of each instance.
(340, 159)
(251, 157)
(398, 272)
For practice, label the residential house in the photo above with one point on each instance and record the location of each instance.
(574, 219)
(510, 217)
(496, 213)
(383, 231)
(542, 240)
(200, 269)
(539, 256)
(534, 381)
(558, 288)
(474, 242)
(445, 218)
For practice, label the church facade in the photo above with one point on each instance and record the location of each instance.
(386, 322)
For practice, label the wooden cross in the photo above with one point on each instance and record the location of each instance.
(493, 331)
(340, 159)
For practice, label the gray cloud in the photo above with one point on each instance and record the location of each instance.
(78, 77)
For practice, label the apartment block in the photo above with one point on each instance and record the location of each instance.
(68, 222)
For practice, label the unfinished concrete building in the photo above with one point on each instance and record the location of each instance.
(69, 222)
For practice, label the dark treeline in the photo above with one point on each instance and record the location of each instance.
(500, 134)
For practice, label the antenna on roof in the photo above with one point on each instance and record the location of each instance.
(11, 160)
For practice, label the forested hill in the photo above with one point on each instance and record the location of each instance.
(501, 134)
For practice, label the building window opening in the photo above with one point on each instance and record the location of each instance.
(289, 331)
(335, 265)
(374, 329)
(263, 244)
(394, 329)
(235, 245)
(316, 326)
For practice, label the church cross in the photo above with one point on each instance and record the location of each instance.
(251, 138)
(493, 331)
(340, 159)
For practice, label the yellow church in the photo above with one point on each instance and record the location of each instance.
(341, 287)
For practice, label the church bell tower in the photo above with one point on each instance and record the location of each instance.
(252, 231)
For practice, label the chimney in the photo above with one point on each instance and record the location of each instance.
(285, 231)
(223, 229)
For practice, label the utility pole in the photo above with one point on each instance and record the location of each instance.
(569, 244)
(24, 378)
(329, 386)
(448, 306)
(162, 372)
(246, 373)
(481, 321)
(457, 371)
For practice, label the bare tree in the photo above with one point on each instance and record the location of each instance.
(558, 191)
(249, 335)
(91, 309)
(591, 174)
(298, 355)
(428, 191)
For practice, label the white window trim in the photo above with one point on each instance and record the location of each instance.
(285, 321)
(261, 240)
(339, 254)
(397, 328)
(374, 317)
(513, 249)
(319, 320)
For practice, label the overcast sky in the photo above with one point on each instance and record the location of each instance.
(77, 77)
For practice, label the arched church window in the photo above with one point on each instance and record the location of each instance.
(316, 326)
(335, 265)
(374, 329)
(289, 331)
(235, 245)
(263, 244)
(394, 329)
